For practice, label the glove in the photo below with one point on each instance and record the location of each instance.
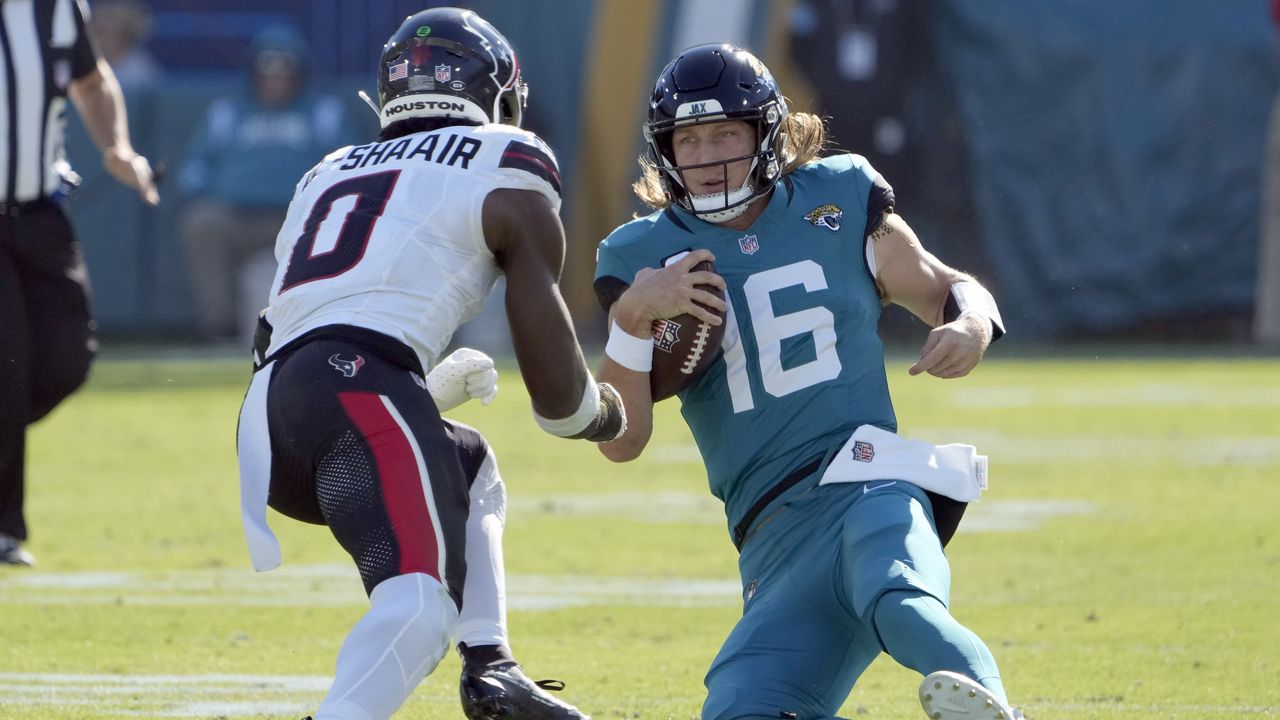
(466, 374)
(611, 420)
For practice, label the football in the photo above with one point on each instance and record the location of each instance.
(683, 347)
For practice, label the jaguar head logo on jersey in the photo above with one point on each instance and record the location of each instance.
(748, 244)
(348, 368)
(665, 335)
(826, 216)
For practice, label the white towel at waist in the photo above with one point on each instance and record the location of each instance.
(253, 445)
(956, 471)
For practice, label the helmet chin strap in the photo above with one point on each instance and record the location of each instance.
(703, 204)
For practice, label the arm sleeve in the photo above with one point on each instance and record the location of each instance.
(84, 53)
(879, 201)
(608, 290)
(613, 276)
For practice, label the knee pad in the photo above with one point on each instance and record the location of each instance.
(397, 643)
(416, 605)
(488, 492)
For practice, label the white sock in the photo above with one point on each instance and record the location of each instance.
(393, 647)
(483, 620)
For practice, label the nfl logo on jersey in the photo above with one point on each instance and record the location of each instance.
(863, 451)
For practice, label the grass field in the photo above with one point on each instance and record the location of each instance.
(1124, 564)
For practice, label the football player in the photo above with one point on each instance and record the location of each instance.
(840, 523)
(386, 249)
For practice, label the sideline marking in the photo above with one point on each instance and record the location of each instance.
(339, 586)
(186, 696)
(691, 508)
(228, 696)
(1160, 395)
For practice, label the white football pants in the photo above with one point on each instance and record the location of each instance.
(412, 622)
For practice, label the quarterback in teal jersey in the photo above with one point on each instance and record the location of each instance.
(837, 565)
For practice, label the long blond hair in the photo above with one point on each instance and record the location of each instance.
(800, 141)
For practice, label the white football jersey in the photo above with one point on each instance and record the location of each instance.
(388, 236)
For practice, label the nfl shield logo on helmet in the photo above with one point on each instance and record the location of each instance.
(863, 451)
(444, 73)
(748, 244)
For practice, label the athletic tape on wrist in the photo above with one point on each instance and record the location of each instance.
(629, 351)
(968, 296)
(580, 419)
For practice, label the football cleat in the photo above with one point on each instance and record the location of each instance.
(951, 696)
(503, 692)
(12, 552)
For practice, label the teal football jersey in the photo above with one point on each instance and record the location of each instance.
(802, 364)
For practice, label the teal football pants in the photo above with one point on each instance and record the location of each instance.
(831, 579)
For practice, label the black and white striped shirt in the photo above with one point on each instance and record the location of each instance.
(43, 46)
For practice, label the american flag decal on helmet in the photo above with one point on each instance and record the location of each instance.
(531, 159)
(399, 71)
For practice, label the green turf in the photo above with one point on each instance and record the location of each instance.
(1156, 596)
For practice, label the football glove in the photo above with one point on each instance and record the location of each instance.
(611, 417)
(464, 375)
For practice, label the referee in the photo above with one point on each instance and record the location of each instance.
(46, 330)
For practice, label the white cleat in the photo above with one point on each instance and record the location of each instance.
(946, 695)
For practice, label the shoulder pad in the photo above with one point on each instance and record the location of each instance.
(522, 150)
(634, 231)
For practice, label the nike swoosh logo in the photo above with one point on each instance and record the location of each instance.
(867, 488)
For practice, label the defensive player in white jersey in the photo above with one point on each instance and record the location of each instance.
(386, 249)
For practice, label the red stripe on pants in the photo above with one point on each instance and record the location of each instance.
(402, 485)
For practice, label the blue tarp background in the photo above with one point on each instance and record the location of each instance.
(1116, 152)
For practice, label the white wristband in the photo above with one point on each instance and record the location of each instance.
(629, 351)
(587, 410)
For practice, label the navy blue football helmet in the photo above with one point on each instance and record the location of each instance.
(706, 84)
(450, 63)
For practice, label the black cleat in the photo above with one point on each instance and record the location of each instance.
(504, 692)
